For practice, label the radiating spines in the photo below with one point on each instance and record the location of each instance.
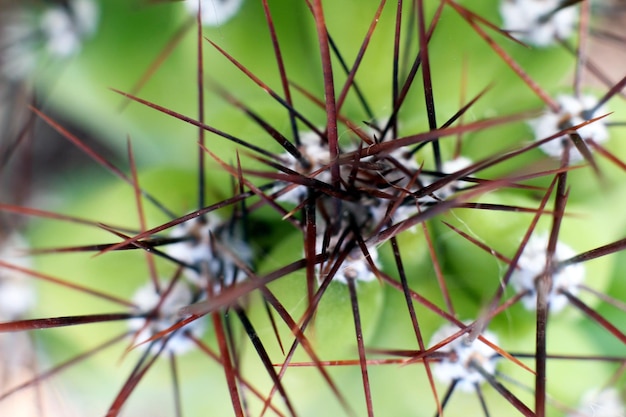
(573, 111)
(315, 157)
(531, 267)
(340, 229)
(448, 167)
(161, 313)
(462, 356)
(212, 252)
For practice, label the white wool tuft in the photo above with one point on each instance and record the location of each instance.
(180, 296)
(214, 12)
(457, 366)
(532, 263)
(531, 21)
(573, 112)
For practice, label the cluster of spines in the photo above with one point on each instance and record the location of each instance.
(349, 207)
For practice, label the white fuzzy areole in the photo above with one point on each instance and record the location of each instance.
(200, 252)
(448, 167)
(524, 18)
(58, 29)
(572, 110)
(64, 32)
(17, 292)
(532, 263)
(180, 296)
(214, 12)
(367, 211)
(354, 267)
(600, 403)
(55, 32)
(405, 211)
(317, 154)
(462, 352)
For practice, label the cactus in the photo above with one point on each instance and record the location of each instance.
(348, 208)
